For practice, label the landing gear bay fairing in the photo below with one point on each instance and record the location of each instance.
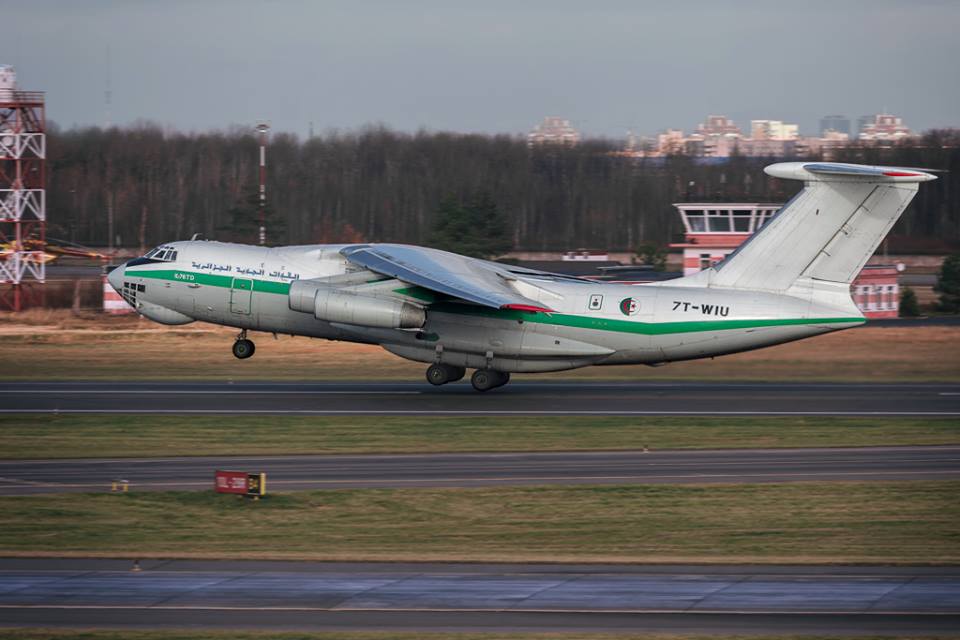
(790, 280)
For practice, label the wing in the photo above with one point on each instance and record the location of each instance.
(478, 281)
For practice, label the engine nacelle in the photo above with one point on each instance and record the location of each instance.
(302, 294)
(347, 307)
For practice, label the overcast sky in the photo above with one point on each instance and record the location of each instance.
(486, 65)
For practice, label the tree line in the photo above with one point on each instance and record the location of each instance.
(148, 185)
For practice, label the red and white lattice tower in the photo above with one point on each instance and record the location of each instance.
(23, 206)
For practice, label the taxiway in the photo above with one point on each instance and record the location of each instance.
(299, 472)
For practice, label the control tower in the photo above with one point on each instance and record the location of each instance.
(23, 207)
(713, 231)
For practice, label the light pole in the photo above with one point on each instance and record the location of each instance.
(262, 129)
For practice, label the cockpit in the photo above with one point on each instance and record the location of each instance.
(161, 254)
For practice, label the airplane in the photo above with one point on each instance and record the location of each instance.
(790, 280)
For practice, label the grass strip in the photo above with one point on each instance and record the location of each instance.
(833, 522)
(875, 354)
(109, 435)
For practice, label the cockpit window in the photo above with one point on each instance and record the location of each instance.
(163, 254)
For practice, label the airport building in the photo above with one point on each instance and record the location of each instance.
(712, 231)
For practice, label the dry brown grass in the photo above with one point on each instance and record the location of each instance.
(56, 345)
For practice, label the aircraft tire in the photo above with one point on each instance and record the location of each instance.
(243, 349)
(486, 379)
(438, 374)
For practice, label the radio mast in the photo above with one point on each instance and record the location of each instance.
(23, 202)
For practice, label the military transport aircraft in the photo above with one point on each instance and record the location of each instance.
(790, 280)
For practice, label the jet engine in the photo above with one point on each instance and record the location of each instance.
(347, 307)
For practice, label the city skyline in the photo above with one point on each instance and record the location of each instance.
(498, 68)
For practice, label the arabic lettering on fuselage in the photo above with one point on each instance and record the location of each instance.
(246, 271)
(285, 275)
(211, 266)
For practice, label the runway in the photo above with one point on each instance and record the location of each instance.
(517, 398)
(288, 473)
(277, 595)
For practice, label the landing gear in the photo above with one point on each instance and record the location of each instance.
(486, 379)
(243, 348)
(438, 374)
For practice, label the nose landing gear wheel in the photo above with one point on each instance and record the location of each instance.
(243, 348)
(486, 379)
(438, 374)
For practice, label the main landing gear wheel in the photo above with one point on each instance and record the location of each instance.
(486, 379)
(438, 374)
(243, 348)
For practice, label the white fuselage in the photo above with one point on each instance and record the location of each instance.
(591, 323)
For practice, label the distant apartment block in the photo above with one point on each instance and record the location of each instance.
(553, 130)
(719, 137)
(862, 122)
(718, 126)
(883, 127)
(835, 124)
(773, 130)
(671, 141)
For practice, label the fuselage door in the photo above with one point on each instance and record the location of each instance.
(241, 291)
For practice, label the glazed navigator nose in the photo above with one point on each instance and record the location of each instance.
(115, 277)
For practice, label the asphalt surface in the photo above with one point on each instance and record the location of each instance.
(517, 398)
(288, 473)
(231, 594)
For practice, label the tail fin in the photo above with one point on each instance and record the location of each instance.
(826, 233)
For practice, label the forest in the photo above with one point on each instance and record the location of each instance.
(150, 185)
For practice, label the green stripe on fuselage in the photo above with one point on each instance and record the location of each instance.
(628, 326)
(210, 279)
(556, 319)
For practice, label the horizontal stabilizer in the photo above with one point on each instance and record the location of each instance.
(824, 171)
